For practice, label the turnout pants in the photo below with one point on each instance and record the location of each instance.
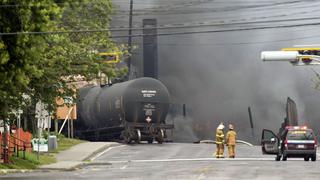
(231, 151)
(219, 151)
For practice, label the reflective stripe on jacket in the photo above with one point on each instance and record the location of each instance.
(219, 137)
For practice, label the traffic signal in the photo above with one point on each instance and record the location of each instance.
(110, 57)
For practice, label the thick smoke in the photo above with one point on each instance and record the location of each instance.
(219, 75)
(184, 129)
(220, 82)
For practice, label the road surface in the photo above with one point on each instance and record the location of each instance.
(181, 161)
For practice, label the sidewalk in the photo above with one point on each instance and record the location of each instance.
(77, 155)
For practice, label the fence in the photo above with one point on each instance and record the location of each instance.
(17, 141)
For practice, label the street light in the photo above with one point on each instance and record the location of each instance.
(290, 56)
(299, 57)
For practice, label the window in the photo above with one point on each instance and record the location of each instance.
(300, 135)
(267, 135)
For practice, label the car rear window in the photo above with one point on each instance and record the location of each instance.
(300, 135)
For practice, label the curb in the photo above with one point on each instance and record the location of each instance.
(85, 160)
(71, 168)
(95, 164)
(77, 164)
(7, 171)
(93, 154)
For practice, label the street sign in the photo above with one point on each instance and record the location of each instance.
(42, 115)
(39, 145)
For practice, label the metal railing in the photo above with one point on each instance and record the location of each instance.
(18, 147)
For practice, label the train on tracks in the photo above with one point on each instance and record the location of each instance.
(132, 111)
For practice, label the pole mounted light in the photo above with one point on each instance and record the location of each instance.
(298, 56)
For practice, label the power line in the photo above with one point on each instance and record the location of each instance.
(168, 9)
(218, 31)
(162, 34)
(282, 15)
(182, 26)
(179, 4)
(201, 24)
(38, 5)
(238, 43)
(208, 24)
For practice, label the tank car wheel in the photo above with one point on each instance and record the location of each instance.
(138, 138)
(126, 137)
(160, 136)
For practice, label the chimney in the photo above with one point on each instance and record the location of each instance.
(150, 48)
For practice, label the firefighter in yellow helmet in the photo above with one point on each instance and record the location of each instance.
(231, 141)
(220, 141)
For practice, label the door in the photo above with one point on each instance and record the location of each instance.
(269, 142)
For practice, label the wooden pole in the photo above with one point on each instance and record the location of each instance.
(68, 128)
(71, 127)
(56, 128)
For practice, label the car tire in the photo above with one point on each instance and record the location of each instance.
(306, 158)
(278, 157)
(284, 158)
(313, 157)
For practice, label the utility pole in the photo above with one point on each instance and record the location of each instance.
(251, 121)
(5, 136)
(130, 37)
(5, 142)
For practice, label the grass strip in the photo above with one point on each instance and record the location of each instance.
(31, 161)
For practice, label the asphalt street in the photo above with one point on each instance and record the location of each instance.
(180, 161)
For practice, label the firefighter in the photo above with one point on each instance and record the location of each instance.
(231, 141)
(220, 141)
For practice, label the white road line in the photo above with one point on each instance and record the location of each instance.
(194, 159)
(124, 167)
(105, 151)
(201, 176)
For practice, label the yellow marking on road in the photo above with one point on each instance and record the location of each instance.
(205, 170)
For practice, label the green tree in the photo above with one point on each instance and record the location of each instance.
(21, 54)
(42, 66)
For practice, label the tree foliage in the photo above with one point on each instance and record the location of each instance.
(41, 67)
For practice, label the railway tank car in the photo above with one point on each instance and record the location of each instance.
(134, 110)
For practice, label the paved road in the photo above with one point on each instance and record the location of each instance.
(181, 161)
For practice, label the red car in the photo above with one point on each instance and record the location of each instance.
(294, 141)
